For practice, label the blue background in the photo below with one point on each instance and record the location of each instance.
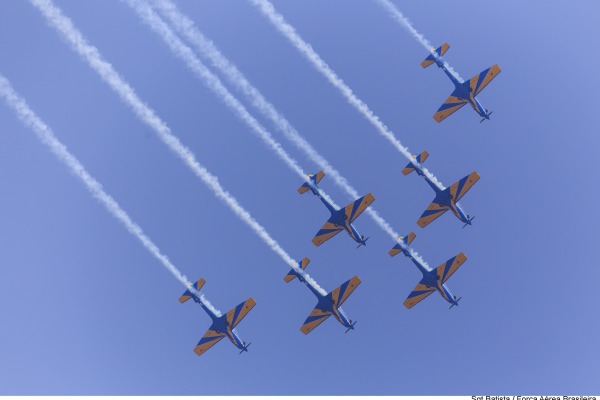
(86, 310)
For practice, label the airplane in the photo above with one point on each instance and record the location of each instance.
(433, 280)
(341, 219)
(329, 304)
(445, 198)
(464, 92)
(223, 325)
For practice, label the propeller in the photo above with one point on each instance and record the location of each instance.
(245, 348)
(351, 327)
(469, 219)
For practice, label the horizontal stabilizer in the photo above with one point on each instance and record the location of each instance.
(304, 188)
(292, 274)
(318, 176)
(440, 51)
(188, 295)
(315, 178)
(407, 240)
(420, 159)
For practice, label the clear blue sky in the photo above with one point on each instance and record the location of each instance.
(86, 310)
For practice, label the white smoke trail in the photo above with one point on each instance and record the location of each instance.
(186, 54)
(187, 28)
(92, 56)
(45, 134)
(405, 22)
(306, 49)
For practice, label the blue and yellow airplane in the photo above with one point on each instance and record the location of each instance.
(464, 92)
(445, 199)
(222, 325)
(341, 219)
(432, 279)
(328, 304)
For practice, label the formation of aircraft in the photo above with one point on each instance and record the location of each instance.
(464, 92)
(341, 219)
(445, 198)
(222, 326)
(327, 305)
(433, 280)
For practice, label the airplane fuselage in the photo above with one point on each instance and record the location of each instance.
(463, 92)
(325, 303)
(443, 196)
(430, 279)
(405, 250)
(338, 216)
(312, 288)
(220, 324)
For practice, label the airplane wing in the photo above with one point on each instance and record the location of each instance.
(451, 105)
(460, 188)
(235, 315)
(353, 210)
(419, 293)
(210, 338)
(340, 294)
(431, 213)
(480, 81)
(315, 319)
(446, 270)
(328, 231)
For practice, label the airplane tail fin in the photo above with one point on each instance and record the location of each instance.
(407, 240)
(440, 51)
(420, 159)
(314, 178)
(188, 294)
(292, 274)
